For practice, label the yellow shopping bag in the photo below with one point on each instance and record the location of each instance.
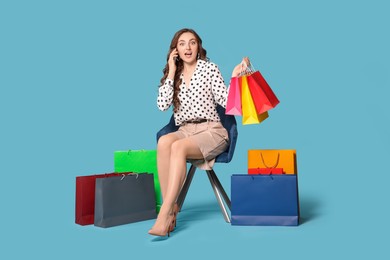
(285, 159)
(249, 113)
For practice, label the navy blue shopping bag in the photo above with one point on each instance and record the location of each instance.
(264, 200)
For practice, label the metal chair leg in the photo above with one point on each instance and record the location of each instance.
(221, 189)
(186, 186)
(218, 195)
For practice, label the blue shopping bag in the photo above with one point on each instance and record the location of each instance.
(264, 200)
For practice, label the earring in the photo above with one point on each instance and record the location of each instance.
(198, 57)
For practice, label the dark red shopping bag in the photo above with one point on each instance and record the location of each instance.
(85, 197)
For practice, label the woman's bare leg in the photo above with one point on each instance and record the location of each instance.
(180, 151)
(163, 158)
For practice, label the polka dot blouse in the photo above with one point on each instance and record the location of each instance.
(199, 100)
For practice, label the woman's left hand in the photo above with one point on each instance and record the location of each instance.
(240, 67)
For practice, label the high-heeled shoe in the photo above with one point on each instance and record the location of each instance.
(175, 211)
(167, 230)
(172, 225)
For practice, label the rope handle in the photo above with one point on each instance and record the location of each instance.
(132, 174)
(142, 150)
(270, 167)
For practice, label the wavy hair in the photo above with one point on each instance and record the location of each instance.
(179, 65)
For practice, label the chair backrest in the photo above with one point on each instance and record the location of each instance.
(228, 121)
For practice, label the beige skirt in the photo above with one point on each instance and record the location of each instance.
(211, 138)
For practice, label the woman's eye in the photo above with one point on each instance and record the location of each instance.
(193, 43)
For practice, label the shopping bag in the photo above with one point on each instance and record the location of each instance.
(265, 171)
(233, 103)
(264, 98)
(264, 200)
(139, 161)
(273, 158)
(124, 199)
(269, 168)
(85, 197)
(250, 116)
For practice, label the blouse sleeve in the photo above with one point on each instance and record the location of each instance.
(219, 88)
(165, 95)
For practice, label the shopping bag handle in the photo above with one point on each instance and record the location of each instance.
(248, 70)
(132, 174)
(269, 175)
(142, 150)
(270, 167)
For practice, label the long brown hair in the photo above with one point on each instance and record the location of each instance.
(179, 65)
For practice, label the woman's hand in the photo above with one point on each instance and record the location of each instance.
(240, 67)
(172, 63)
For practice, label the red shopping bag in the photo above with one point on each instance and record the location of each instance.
(233, 103)
(263, 96)
(265, 171)
(85, 197)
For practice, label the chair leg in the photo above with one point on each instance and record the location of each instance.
(219, 192)
(221, 189)
(186, 186)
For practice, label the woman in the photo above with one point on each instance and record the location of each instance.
(194, 86)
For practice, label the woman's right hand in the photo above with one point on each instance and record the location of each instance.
(172, 63)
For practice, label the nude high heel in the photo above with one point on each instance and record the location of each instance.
(175, 211)
(167, 230)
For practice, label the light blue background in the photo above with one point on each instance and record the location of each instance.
(78, 81)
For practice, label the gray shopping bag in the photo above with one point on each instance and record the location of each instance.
(124, 199)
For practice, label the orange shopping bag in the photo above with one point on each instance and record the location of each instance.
(266, 158)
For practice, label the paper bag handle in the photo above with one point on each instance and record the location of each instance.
(270, 167)
(132, 174)
(248, 70)
(129, 151)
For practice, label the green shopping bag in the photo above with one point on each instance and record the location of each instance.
(139, 161)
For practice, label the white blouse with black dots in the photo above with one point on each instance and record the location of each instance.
(199, 100)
